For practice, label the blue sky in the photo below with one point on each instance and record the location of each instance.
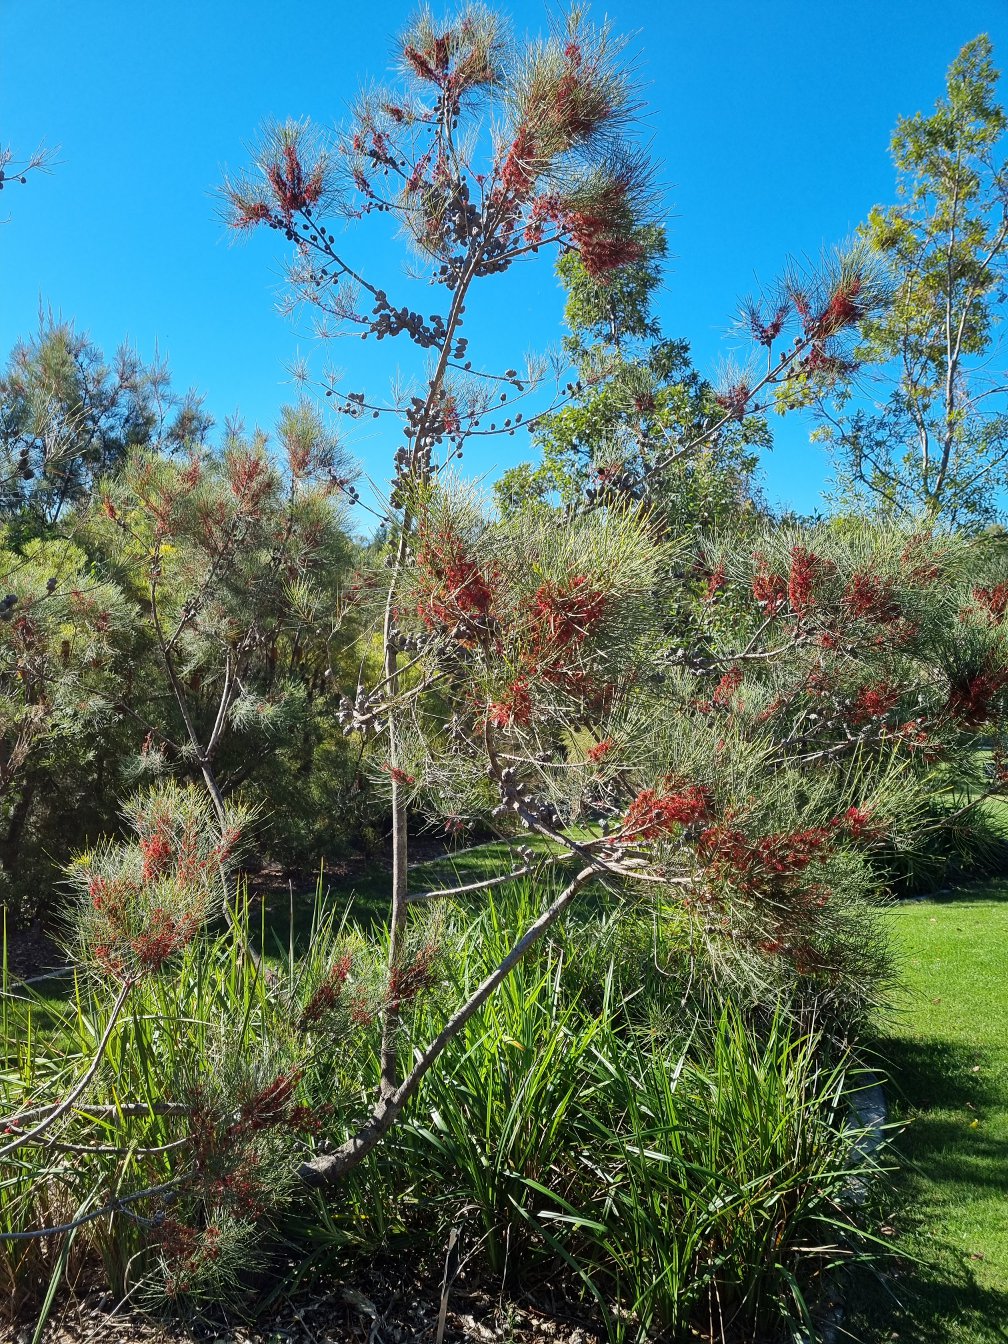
(770, 122)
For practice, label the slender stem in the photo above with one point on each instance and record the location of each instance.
(113, 1206)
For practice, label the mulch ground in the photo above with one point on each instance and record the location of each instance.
(398, 1305)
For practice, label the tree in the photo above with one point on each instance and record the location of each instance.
(636, 395)
(740, 774)
(67, 418)
(919, 425)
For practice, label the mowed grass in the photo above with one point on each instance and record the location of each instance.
(946, 1053)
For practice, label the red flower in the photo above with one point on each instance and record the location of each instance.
(842, 310)
(454, 583)
(727, 687)
(562, 616)
(735, 399)
(857, 823)
(806, 567)
(600, 750)
(716, 581)
(971, 697)
(993, 600)
(515, 708)
(328, 994)
(652, 814)
(730, 856)
(769, 590)
(872, 702)
(870, 598)
(156, 850)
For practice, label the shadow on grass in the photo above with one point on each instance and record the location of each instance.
(937, 1303)
(974, 892)
(937, 1299)
(366, 895)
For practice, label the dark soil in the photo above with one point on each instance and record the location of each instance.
(397, 1304)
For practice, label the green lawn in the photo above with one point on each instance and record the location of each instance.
(946, 1052)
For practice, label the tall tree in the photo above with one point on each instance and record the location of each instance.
(921, 427)
(636, 396)
(68, 417)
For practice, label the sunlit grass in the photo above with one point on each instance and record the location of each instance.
(947, 1055)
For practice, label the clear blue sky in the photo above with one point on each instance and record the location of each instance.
(771, 123)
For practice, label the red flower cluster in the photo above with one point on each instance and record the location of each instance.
(870, 598)
(735, 399)
(166, 934)
(726, 688)
(520, 167)
(728, 854)
(653, 814)
(806, 568)
(407, 981)
(715, 582)
(156, 850)
(292, 188)
(515, 708)
(562, 616)
(268, 1108)
(769, 590)
(599, 751)
(856, 822)
(872, 702)
(600, 233)
(971, 696)
(455, 587)
(190, 1249)
(923, 571)
(994, 600)
(328, 995)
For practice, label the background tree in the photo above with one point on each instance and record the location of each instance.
(68, 417)
(919, 427)
(636, 394)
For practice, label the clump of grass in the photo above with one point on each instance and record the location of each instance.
(682, 1163)
(687, 1170)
